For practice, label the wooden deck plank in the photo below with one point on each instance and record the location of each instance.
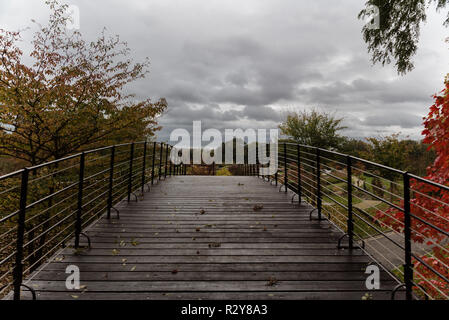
(233, 296)
(196, 237)
(137, 275)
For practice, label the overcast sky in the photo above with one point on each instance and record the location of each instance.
(242, 64)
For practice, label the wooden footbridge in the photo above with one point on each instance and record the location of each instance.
(197, 237)
(154, 232)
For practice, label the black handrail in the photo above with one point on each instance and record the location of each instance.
(108, 175)
(48, 220)
(307, 164)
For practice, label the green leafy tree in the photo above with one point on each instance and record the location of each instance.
(389, 151)
(314, 128)
(397, 37)
(355, 147)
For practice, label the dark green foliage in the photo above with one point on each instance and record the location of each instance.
(397, 38)
(313, 128)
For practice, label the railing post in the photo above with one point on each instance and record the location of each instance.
(170, 165)
(267, 153)
(349, 191)
(130, 177)
(18, 268)
(80, 201)
(166, 162)
(144, 166)
(285, 168)
(298, 164)
(318, 185)
(408, 266)
(160, 161)
(152, 162)
(277, 171)
(257, 159)
(111, 181)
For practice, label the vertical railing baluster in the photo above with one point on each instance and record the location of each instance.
(257, 159)
(18, 267)
(130, 177)
(152, 162)
(298, 164)
(318, 186)
(80, 201)
(111, 181)
(169, 164)
(408, 266)
(285, 167)
(166, 162)
(160, 161)
(349, 191)
(144, 166)
(267, 153)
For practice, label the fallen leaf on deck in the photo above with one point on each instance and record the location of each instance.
(272, 282)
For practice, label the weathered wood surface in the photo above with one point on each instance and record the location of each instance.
(199, 237)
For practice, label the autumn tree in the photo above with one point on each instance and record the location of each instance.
(430, 204)
(72, 95)
(314, 128)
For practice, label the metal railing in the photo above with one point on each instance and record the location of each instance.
(379, 210)
(44, 207)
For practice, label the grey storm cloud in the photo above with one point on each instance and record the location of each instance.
(402, 120)
(241, 64)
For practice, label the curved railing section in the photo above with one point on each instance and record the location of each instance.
(398, 218)
(44, 207)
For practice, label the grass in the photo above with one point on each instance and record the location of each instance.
(223, 172)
